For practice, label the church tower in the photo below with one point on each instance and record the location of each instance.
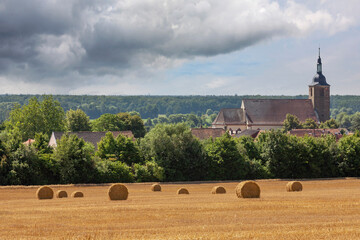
(319, 93)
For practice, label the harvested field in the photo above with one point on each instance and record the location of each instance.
(325, 209)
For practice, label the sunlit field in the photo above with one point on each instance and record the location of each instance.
(325, 209)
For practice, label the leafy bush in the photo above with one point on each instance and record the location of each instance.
(349, 154)
(75, 159)
(321, 156)
(176, 150)
(77, 120)
(283, 155)
(120, 148)
(113, 171)
(225, 161)
(148, 172)
(256, 170)
(26, 167)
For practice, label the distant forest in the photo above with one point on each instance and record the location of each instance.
(152, 106)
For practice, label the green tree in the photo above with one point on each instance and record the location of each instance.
(226, 163)
(310, 124)
(108, 122)
(134, 113)
(133, 123)
(321, 156)
(25, 167)
(283, 155)
(5, 164)
(349, 152)
(113, 171)
(42, 143)
(209, 112)
(49, 168)
(122, 149)
(331, 123)
(148, 122)
(355, 122)
(120, 122)
(74, 157)
(37, 117)
(344, 120)
(148, 172)
(248, 148)
(77, 120)
(291, 122)
(176, 150)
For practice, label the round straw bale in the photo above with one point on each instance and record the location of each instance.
(61, 194)
(294, 186)
(118, 191)
(156, 187)
(77, 194)
(182, 191)
(218, 190)
(248, 189)
(45, 192)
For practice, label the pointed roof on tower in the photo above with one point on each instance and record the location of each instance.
(319, 78)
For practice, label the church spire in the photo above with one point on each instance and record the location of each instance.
(319, 78)
(319, 65)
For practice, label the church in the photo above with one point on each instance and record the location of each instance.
(265, 114)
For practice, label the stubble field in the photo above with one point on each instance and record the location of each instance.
(325, 209)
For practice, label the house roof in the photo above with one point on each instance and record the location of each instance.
(94, 137)
(273, 111)
(316, 132)
(205, 133)
(230, 116)
(248, 132)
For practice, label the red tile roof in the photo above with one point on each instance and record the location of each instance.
(316, 132)
(205, 133)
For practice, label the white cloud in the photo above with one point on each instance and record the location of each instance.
(307, 21)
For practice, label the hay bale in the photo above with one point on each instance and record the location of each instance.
(294, 186)
(218, 190)
(118, 191)
(61, 194)
(248, 189)
(182, 191)
(77, 194)
(45, 192)
(156, 187)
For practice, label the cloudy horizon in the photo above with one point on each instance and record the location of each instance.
(199, 47)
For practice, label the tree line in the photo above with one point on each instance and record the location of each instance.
(152, 106)
(168, 152)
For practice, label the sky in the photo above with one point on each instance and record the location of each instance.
(178, 47)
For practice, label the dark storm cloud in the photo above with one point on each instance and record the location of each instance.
(57, 42)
